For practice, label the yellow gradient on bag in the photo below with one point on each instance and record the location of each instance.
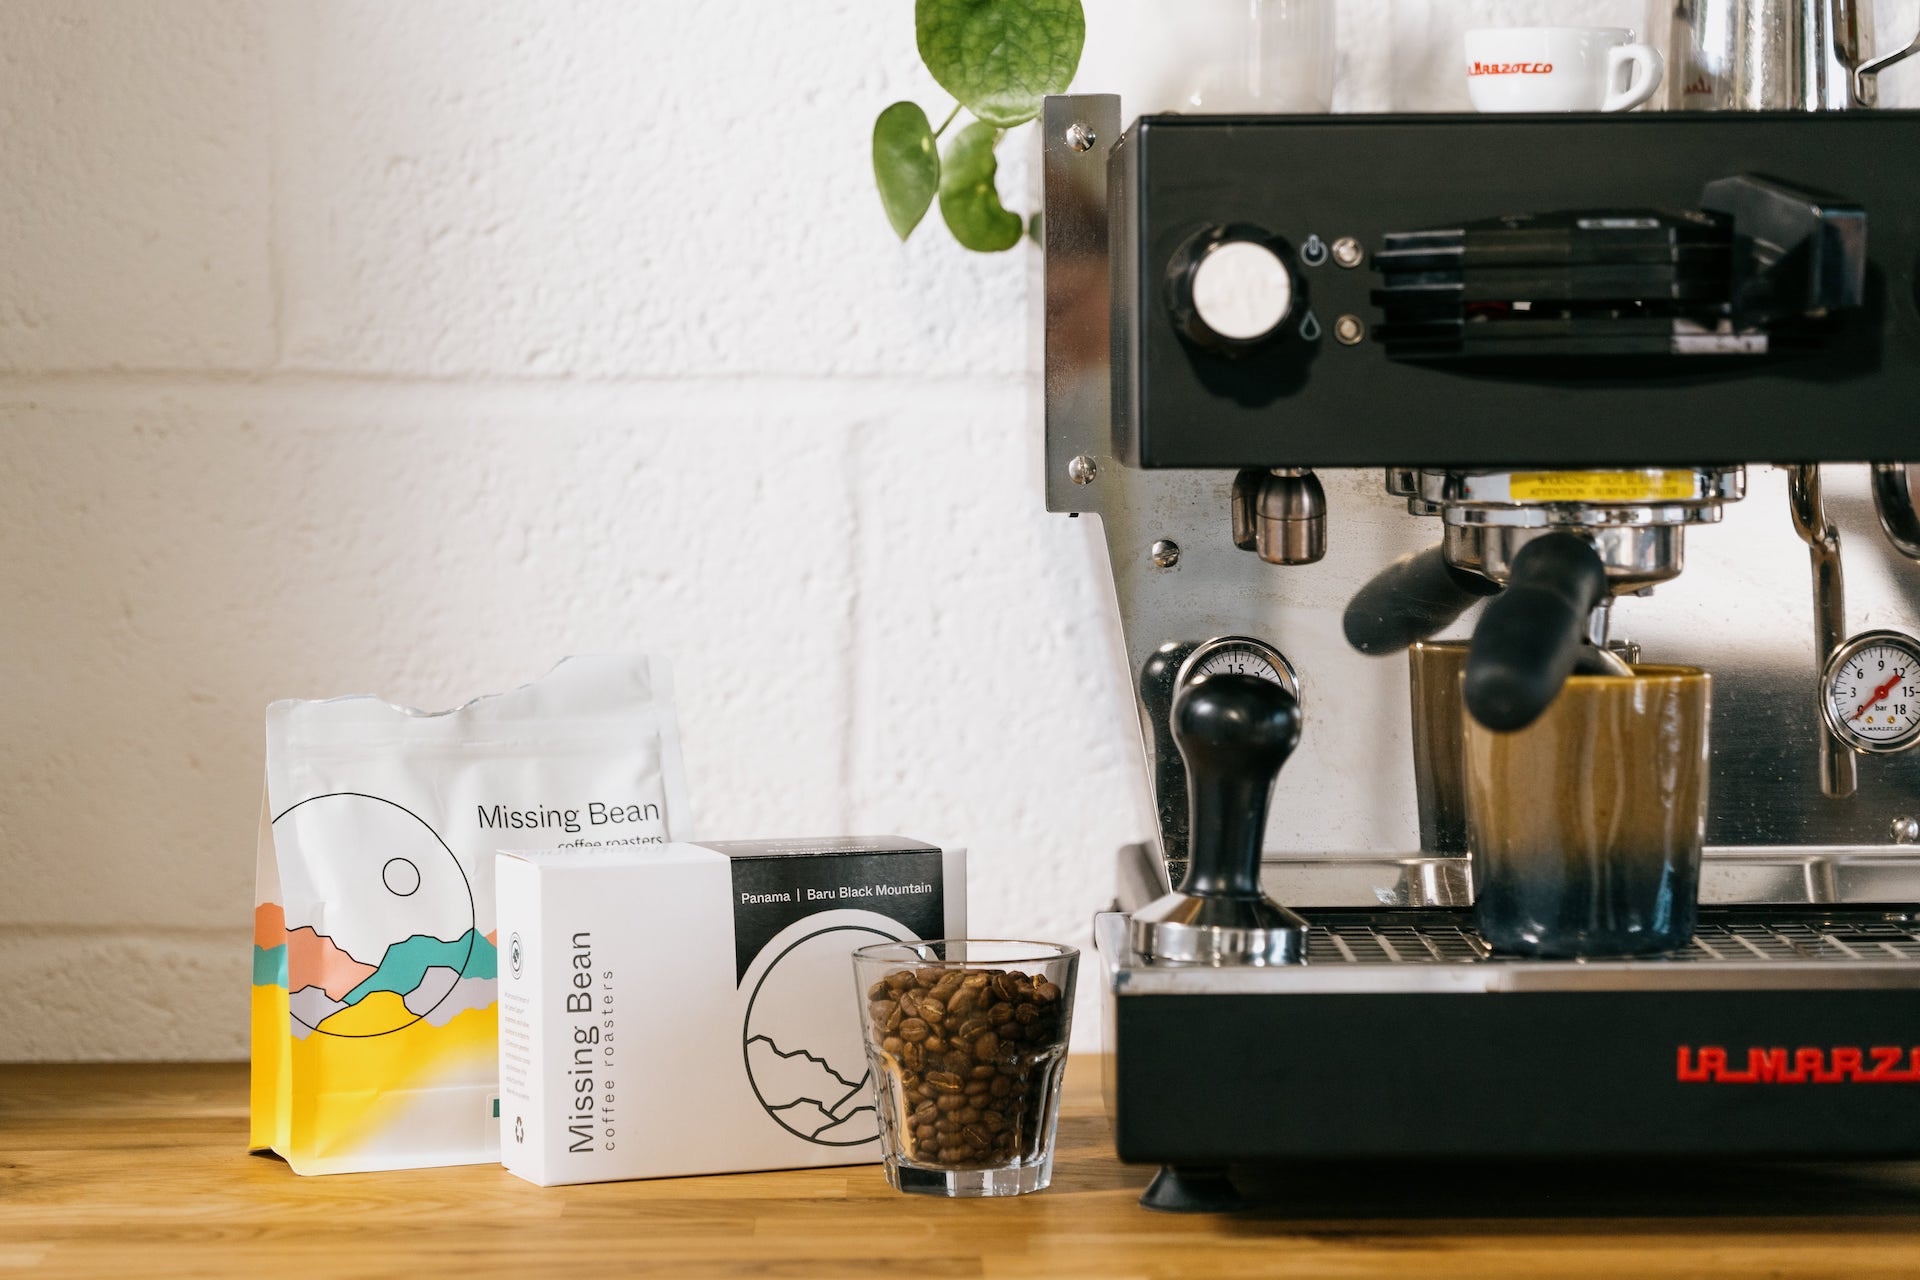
(271, 1077)
(370, 1080)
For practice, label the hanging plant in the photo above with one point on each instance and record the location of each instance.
(998, 58)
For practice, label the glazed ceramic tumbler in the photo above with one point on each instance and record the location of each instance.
(1586, 826)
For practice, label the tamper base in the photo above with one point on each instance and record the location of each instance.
(1185, 928)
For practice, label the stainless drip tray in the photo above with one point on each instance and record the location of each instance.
(1728, 876)
(1423, 937)
(1436, 950)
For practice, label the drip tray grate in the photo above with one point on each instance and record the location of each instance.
(1746, 935)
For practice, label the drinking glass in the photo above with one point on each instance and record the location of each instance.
(966, 1046)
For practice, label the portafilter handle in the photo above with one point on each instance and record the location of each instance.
(1415, 598)
(1234, 732)
(1531, 635)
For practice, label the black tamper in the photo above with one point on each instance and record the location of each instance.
(1234, 732)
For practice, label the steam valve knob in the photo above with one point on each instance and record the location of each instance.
(1230, 288)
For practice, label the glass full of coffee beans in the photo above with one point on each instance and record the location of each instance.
(966, 1045)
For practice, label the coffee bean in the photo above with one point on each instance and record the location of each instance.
(913, 1057)
(932, 1009)
(913, 1031)
(963, 1001)
(892, 1044)
(950, 1101)
(987, 1045)
(1045, 992)
(945, 1081)
(935, 1044)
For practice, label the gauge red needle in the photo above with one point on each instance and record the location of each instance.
(1878, 694)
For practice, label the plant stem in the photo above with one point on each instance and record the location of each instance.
(949, 120)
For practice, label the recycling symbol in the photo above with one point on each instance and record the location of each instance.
(519, 1130)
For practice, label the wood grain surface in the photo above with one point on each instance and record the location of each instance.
(140, 1171)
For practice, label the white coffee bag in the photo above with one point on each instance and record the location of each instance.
(374, 1019)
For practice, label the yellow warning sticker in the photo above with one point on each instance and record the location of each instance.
(1601, 486)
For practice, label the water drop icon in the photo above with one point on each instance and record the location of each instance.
(1310, 328)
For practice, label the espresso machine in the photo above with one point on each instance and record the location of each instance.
(1577, 387)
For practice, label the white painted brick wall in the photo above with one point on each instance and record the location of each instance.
(404, 348)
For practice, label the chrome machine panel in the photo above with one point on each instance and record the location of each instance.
(1744, 609)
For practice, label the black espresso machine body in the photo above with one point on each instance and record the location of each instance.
(1691, 340)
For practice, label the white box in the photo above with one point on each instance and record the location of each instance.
(690, 1008)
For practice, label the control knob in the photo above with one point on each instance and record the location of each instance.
(1230, 288)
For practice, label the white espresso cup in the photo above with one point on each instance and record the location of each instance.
(1559, 69)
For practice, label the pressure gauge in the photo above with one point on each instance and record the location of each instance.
(1242, 655)
(1871, 692)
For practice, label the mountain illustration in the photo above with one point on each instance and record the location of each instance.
(310, 1007)
(856, 1126)
(806, 1094)
(406, 964)
(313, 960)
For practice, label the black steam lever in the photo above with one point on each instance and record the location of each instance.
(1234, 731)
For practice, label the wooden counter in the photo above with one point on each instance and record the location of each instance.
(128, 1171)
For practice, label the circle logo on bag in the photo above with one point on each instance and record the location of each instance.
(382, 934)
(805, 1059)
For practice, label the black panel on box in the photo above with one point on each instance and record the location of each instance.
(1843, 388)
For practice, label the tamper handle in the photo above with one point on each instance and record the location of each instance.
(1234, 731)
(1530, 635)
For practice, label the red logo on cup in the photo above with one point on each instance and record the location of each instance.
(1510, 69)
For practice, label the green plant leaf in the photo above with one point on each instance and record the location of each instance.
(968, 199)
(906, 165)
(1000, 57)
